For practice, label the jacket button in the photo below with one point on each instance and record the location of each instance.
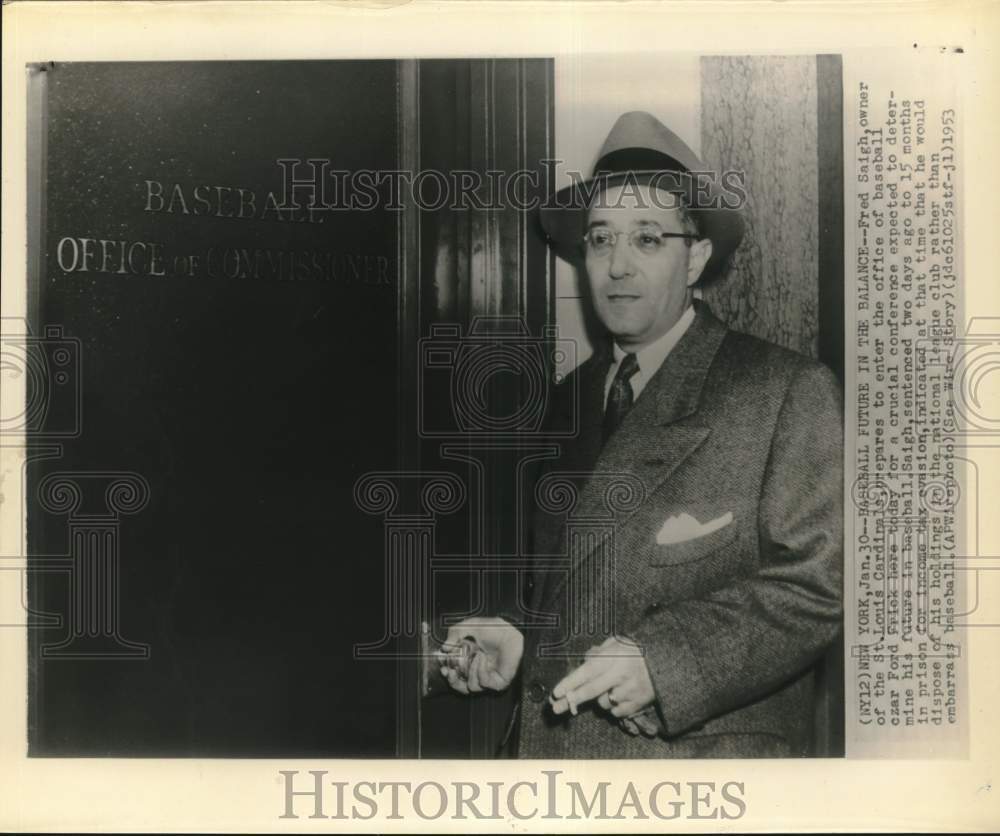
(652, 608)
(537, 691)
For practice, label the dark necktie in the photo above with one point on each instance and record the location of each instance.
(620, 395)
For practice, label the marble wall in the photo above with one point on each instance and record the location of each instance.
(759, 115)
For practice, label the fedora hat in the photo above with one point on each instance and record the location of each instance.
(641, 150)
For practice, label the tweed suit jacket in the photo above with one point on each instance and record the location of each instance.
(731, 622)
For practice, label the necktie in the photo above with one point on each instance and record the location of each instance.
(620, 395)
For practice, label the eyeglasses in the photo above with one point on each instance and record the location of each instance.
(601, 241)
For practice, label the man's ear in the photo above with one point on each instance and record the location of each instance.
(700, 253)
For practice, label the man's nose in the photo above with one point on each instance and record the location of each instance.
(621, 258)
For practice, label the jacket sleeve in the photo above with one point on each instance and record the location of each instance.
(710, 655)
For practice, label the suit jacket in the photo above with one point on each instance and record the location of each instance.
(731, 622)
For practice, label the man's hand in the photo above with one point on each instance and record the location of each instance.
(614, 673)
(492, 661)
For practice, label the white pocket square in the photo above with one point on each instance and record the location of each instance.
(682, 527)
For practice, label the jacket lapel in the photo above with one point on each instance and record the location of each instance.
(658, 434)
(578, 453)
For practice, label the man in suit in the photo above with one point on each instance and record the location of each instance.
(715, 461)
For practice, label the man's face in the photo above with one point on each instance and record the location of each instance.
(639, 293)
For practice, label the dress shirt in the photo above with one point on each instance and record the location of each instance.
(649, 358)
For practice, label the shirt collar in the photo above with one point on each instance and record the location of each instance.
(652, 356)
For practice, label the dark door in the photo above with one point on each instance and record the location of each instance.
(220, 373)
